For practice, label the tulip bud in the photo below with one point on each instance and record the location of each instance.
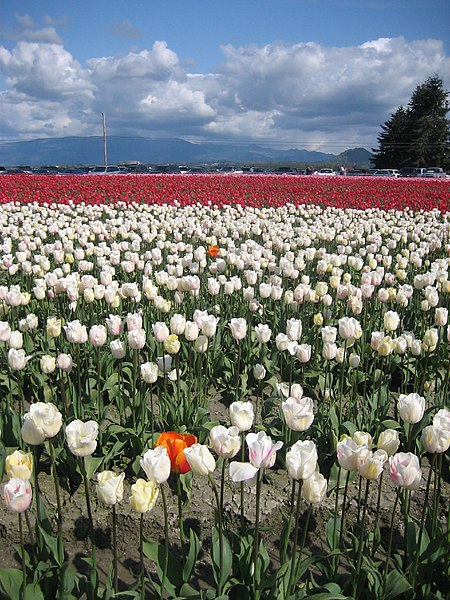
(241, 415)
(110, 487)
(144, 495)
(314, 488)
(17, 494)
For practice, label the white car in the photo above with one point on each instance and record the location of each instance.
(325, 172)
(387, 173)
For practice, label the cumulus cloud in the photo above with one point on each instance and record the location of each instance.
(304, 95)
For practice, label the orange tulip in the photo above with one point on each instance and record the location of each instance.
(213, 251)
(175, 443)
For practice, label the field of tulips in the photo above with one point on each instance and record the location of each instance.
(220, 387)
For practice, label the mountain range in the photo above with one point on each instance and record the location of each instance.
(89, 150)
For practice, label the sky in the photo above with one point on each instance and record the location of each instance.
(313, 74)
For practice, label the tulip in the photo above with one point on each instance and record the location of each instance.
(329, 334)
(160, 331)
(118, 349)
(201, 344)
(19, 465)
(294, 329)
(242, 471)
(43, 421)
(17, 494)
(47, 363)
(262, 452)
(391, 320)
(191, 331)
(389, 441)
(298, 413)
(200, 459)
(241, 414)
(259, 372)
(97, 335)
(15, 340)
(209, 325)
(114, 324)
(53, 327)
(263, 333)
(76, 333)
(136, 339)
(442, 419)
(177, 324)
(133, 321)
(441, 316)
(175, 443)
(435, 440)
(238, 328)
(371, 464)
(156, 464)
(64, 362)
(172, 344)
(314, 488)
(82, 437)
(405, 470)
(362, 438)
(149, 372)
(430, 340)
(303, 353)
(411, 407)
(301, 460)
(226, 442)
(17, 359)
(110, 487)
(143, 495)
(348, 452)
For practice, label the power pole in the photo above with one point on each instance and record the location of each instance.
(105, 155)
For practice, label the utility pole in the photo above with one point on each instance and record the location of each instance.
(105, 155)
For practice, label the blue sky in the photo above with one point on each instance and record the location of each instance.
(315, 74)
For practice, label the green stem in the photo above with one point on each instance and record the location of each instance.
(422, 523)
(24, 567)
(361, 542)
(344, 502)
(294, 546)
(391, 532)
(58, 502)
(141, 555)
(256, 537)
(166, 542)
(180, 518)
(220, 530)
(115, 564)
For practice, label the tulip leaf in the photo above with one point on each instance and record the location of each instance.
(396, 584)
(11, 582)
(156, 552)
(92, 463)
(221, 574)
(194, 548)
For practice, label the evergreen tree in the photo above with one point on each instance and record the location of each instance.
(418, 136)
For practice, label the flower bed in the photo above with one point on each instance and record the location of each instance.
(224, 387)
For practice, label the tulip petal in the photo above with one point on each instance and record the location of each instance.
(242, 471)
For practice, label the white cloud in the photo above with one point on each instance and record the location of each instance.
(303, 95)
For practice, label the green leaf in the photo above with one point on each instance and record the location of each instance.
(194, 549)
(327, 596)
(221, 575)
(391, 424)
(11, 582)
(396, 584)
(156, 553)
(92, 463)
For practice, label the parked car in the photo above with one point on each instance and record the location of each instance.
(325, 172)
(105, 170)
(412, 171)
(387, 173)
(436, 172)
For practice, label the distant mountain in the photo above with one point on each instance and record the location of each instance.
(89, 150)
(355, 157)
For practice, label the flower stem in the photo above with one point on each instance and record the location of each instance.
(141, 555)
(180, 518)
(361, 542)
(24, 567)
(422, 523)
(58, 502)
(166, 541)
(256, 536)
(391, 533)
(294, 547)
(114, 533)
